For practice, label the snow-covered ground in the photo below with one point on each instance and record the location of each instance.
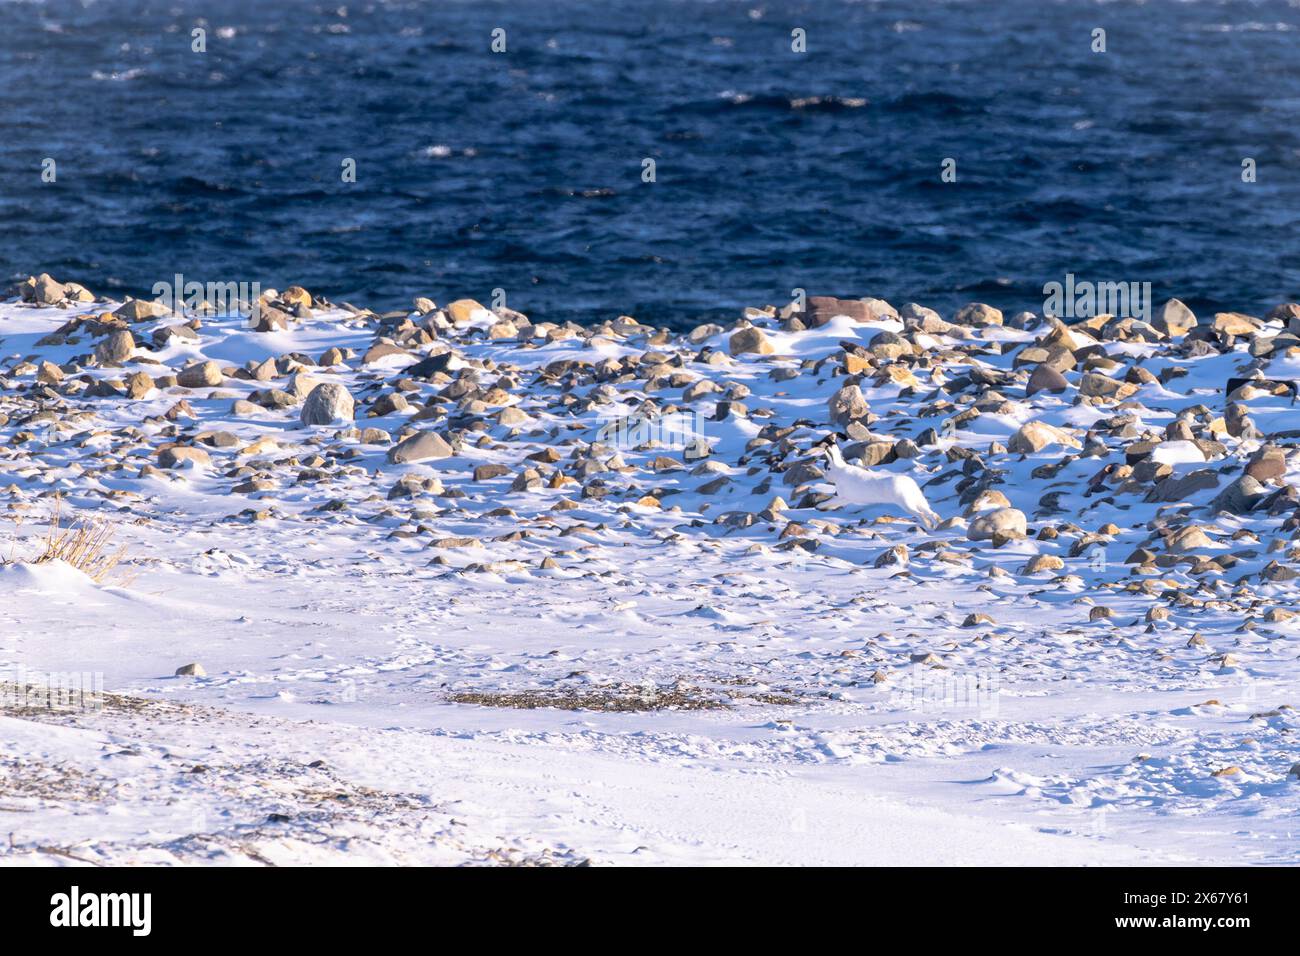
(663, 669)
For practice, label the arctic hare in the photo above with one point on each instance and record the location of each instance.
(861, 486)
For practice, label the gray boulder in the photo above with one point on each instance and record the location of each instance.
(1002, 523)
(422, 446)
(115, 349)
(327, 404)
(1240, 497)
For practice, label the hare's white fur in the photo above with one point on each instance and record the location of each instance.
(861, 486)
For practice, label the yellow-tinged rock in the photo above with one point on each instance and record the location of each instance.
(1034, 436)
(297, 295)
(1097, 322)
(1060, 335)
(899, 375)
(750, 340)
(1042, 562)
(856, 364)
(1236, 323)
(462, 311)
(262, 446)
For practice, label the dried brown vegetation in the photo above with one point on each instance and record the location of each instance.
(87, 545)
(619, 698)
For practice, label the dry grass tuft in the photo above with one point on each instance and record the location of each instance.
(620, 698)
(85, 545)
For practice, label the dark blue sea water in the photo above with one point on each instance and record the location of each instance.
(775, 170)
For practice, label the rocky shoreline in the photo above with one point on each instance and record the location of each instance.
(621, 519)
(937, 377)
(1131, 413)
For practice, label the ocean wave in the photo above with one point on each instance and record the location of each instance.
(1250, 26)
(729, 100)
(99, 76)
(824, 166)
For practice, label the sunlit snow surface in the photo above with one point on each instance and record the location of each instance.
(333, 644)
